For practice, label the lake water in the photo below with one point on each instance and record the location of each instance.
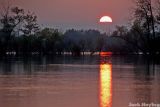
(90, 81)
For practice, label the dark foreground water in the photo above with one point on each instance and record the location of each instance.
(90, 81)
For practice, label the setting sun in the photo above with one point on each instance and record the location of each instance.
(105, 19)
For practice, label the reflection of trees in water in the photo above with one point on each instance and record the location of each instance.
(32, 64)
(5, 67)
(146, 67)
(21, 65)
(146, 84)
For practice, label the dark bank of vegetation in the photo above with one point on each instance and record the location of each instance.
(20, 34)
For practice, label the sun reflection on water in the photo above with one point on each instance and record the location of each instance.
(105, 85)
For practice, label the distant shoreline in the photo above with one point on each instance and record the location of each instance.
(81, 53)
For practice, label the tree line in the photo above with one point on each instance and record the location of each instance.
(20, 34)
(144, 33)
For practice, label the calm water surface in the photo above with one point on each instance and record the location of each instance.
(90, 81)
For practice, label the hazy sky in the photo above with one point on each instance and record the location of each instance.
(80, 14)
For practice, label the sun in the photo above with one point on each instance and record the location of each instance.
(105, 19)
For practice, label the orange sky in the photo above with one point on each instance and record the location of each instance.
(80, 14)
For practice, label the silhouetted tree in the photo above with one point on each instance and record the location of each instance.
(147, 18)
(142, 34)
(14, 21)
(30, 25)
